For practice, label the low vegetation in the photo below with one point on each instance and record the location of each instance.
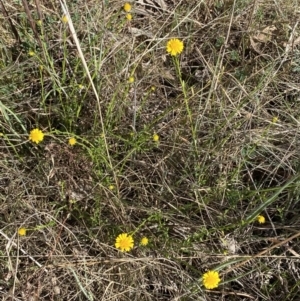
(149, 150)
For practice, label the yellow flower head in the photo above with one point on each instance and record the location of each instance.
(64, 19)
(155, 138)
(144, 241)
(261, 219)
(211, 279)
(129, 17)
(22, 231)
(124, 242)
(36, 136)
(31, 53)
(174, 46)
(131, 79)
(274, 119)
(72, 141)
(127, 7)
(111, 187)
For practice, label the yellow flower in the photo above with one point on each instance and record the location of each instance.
(155, 138)
(274, 119)
(111, 187)
(261, 219)
(131, 79)
(64, 19)
(174, 46)
(144, 241)
(127, 7)
(129, 17)
(39, 22)
(124, 242)
(22, 231)
(36, 136)
(211, 279)
(31, 53)
(72, 141)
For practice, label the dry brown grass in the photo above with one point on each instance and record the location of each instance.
(221, 154)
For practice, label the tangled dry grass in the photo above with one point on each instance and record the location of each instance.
(225, 117)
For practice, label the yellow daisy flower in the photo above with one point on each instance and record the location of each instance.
(31, 53)
(144, 241)
(211, 279)
(124, 242)
(36, 136)
(127, 7)
(22, 231)
(72, 141)
(174, 46)
(64, 19)
(155, 138)
(261, 219)
(129, 17)
(131, 79)
(111, 187)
